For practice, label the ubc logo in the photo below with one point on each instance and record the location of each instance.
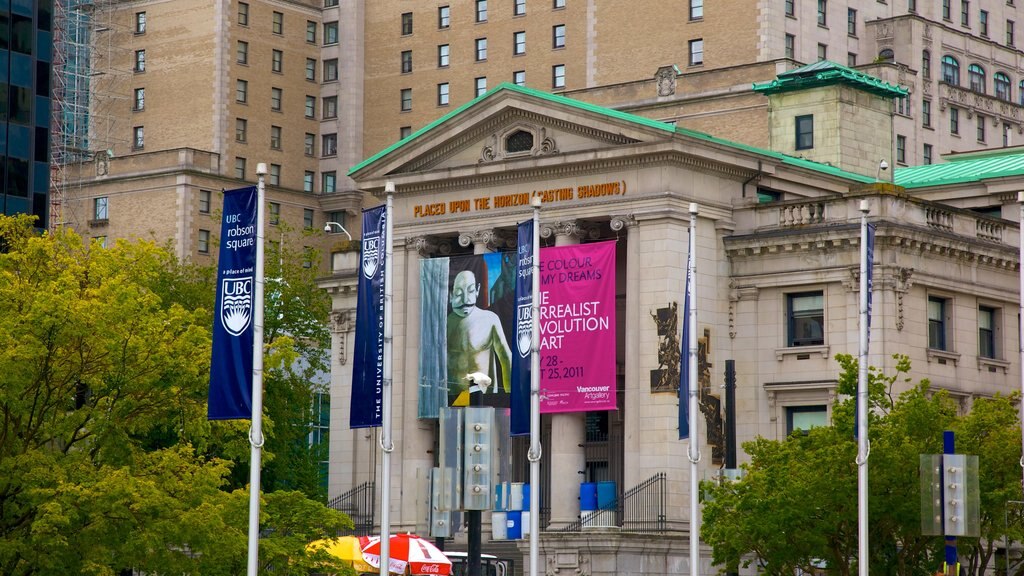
(524, 328)
(371, 256)
(236, 304)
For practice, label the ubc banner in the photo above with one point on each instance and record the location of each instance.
(469, 318)
(231, 361)
(368, 362)
(523, 341)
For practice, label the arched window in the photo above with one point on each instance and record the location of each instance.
(926, 64)
(886, 55)
(976, 77)
(950, 70)
(519, 141)
(1002, 86)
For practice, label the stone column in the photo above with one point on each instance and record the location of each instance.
(631, 318)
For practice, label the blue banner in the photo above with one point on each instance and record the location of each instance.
(523, 341)
(231, 361)
(368, 363)
(684, 358)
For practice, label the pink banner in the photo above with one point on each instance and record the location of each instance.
(577, 328)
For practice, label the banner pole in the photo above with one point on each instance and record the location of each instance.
(256, 431)
(863, 446)
(694, 448)
(385, 439)
(535, 446)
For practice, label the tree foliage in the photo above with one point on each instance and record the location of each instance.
(107, 460)
(796, 505)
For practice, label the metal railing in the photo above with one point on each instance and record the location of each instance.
(358, 503)
(639, 509)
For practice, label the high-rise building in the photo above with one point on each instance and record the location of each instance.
(25, 61)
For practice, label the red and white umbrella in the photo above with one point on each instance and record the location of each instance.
(409, 551)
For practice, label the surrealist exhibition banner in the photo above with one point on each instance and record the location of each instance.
(468, 322)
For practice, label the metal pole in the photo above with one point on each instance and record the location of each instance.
(1020, 340)
(474, 518)
(535, 447)
(256, 432)
(385, 439)
(694, 448)
(862, 401)
(732, 566)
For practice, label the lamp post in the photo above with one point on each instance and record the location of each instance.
(328, 227)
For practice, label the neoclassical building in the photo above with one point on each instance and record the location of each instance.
(777, 249)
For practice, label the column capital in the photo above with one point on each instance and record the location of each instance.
(427, 246)
(622, 222)
(492, 238)
(577, 229)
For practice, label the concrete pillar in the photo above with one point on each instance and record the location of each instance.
(632, 472)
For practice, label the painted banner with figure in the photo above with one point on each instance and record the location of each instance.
(468, 324)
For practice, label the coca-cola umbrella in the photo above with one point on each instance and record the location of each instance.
(409, 554)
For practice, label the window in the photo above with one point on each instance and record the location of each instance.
(696, 9)
(790, 8)
(806, 319)
(851, 59)
(926, 64)
(307, 181)
(790, 45)
(965, 13)
(443, 52)
(946, 9)
(1001, 82)
(519, 77)
(330, 3)
(976, 77)
(442, 94)
(444, 17)
(1006, 134)
(558, 36)
(404, 132)
(901, 149)
(203, 245)
(330, 33)
(558, 76)
(275, 99)
(329, 145)
(307, 257)
(240, 168)
(926, 113)
(331, 70)
(277, 61)
(954, 120)
(140, 22)
(480, 85)
(204, 201)
(243, 52)
(140, 61)
(822, 52)
(766, 195)
(903, 105)
(519, 141)
(1009, 32)
(140, 99)
(307, 218)
(406, 61)
(950, 70)
(926, 154)
(518, 43)
(275, 177)
(519, 8)
(330, 104)
(986, 332)
(241, 128)
(138, 138)
(242, 91)
(886, 55)
(329, 182)
(339, 216)
(851, 21)
(803, 418)
(481, 10)
(805, 132)
(274, 217)
(309, 144)
(406, 99)
(937, 321)
(981, 127)
(310, 106)
(277, 24)
(983, 23)
(558, 4)
(696, 52)
(243, 13)
(311, 69)
(99, 208)
(311, 31)
(911, 5)
(406, 23)
(275, 137)
(481, 49)
(822, 12)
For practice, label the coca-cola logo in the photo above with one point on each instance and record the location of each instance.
(431, 569)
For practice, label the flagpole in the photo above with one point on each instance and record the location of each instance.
(535, 447)
(694, 448)
(385, 439)
(256, 431)
(863, 448)
(1020, 342)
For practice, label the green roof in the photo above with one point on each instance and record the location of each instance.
(784, 158)
(970, 168)
(826, 73)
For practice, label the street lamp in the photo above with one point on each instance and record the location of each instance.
(328, 228)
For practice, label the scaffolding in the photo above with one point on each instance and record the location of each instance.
(90, 79)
